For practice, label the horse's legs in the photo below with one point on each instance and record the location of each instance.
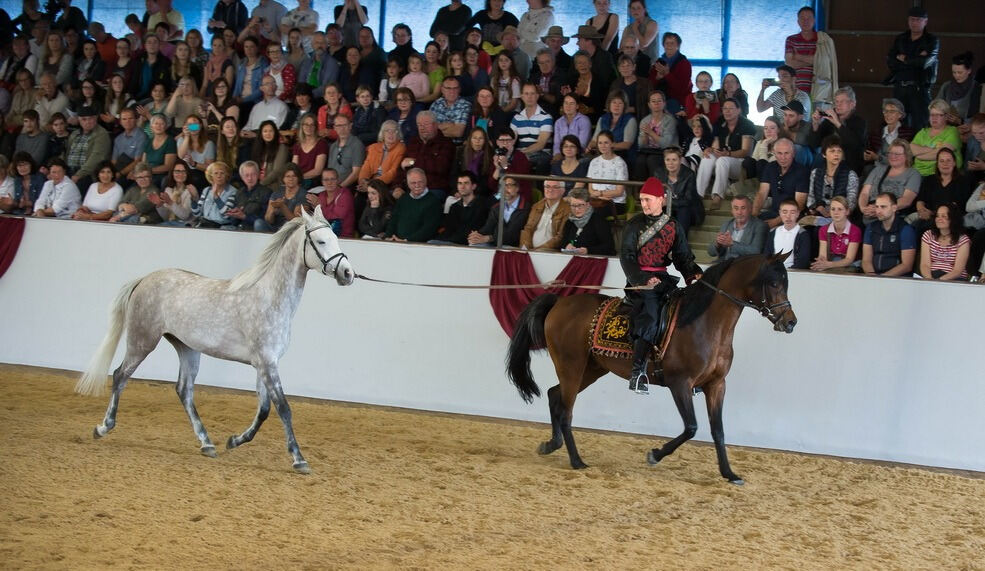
(263, 410)
(271, 378)
(715, 396)
(132, 360)
(189, 360)
(570, 387)
(557, 438)
(683, 398)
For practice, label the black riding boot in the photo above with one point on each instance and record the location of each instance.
(637, 379)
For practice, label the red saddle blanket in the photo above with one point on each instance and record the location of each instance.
(608, 335)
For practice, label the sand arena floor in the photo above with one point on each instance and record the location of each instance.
(410, 490)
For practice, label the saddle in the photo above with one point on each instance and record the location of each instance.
(608, 334)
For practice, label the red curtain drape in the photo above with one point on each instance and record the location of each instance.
(11, 231)
(513, 268)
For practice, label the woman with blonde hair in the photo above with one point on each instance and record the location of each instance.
(310, 152)
(55, 59)
(932, 138)
(841, 241)
(195, 147)
(898, 178)
(217, 199)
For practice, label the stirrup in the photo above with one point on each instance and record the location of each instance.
(638, 383)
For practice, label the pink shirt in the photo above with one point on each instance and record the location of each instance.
(838, 243)
(340, 208)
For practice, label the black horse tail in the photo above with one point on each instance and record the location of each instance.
(528, 335)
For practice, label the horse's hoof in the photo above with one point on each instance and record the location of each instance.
(652, 459)
(547, 447)
(209, 451)
(231, 443)
(302, 467)
(737, 482)
(579, 465)
(95, 433)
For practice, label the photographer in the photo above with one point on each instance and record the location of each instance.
(702, 101)
(787, 93)
(842, 120)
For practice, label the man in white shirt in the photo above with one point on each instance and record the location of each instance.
(59, 196)
(790, 237)
(269, 108)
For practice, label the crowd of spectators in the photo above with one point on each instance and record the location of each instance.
(278, 111)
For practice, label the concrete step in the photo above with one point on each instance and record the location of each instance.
(702, 234)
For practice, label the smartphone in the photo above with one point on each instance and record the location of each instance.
(770, 81)
(194, 127)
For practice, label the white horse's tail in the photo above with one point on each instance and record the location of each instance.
(93, 381)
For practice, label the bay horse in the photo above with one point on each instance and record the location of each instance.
(699, 354)
(246, 319)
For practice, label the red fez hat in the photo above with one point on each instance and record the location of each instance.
(653, 187)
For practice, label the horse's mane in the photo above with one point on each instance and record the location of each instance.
(250, 276)
(697, 297)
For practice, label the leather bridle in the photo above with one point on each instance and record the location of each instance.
(325, 261)
(764, 308)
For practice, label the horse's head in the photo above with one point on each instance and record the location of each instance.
(322, 251)
(769, 294)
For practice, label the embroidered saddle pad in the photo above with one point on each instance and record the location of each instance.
(608, 335)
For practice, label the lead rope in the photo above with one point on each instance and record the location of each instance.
(543, 285)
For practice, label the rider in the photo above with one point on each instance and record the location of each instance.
(651, 241)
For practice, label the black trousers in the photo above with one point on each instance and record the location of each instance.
(646, 309)
(915, 99)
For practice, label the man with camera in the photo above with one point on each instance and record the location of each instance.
(842, 120)
(786, 94)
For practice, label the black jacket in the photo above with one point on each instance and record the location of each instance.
(596, 236)
(680, 253)
(462, 220)
(854, 135)
(511, 228)
(919, 68)
(801, 248)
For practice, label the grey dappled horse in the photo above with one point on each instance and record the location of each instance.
(245, 319)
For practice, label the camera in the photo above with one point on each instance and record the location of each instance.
(703, 95)
(771, 82)
(661, 61)
(501, 152)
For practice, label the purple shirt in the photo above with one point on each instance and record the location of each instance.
(581, 127)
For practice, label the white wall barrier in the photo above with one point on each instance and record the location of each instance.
(877, 368)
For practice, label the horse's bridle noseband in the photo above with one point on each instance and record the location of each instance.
(325, 262)
(764, 308)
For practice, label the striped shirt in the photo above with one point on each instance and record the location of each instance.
(802, 47)
(528, 129)
(942, 256)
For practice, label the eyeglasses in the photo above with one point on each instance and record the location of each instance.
(179, 171)
(890, 110)
(579, 205)
(142, 176)
(896, 154)
(511, 185)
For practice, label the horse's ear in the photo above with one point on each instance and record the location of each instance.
(780, 257)
(306, 217)
(319, 216)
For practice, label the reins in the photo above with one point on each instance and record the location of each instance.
(763, 308)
